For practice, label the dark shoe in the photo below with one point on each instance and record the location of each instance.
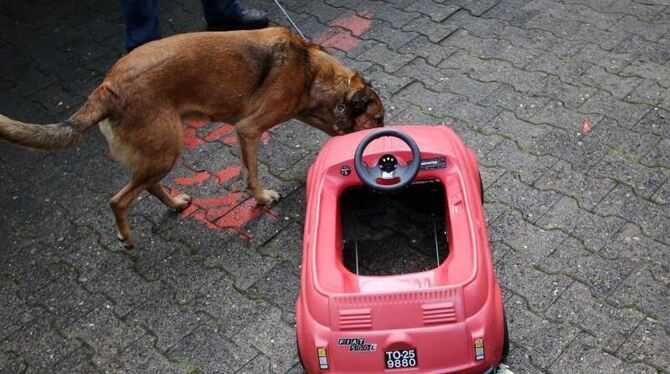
(248, 19)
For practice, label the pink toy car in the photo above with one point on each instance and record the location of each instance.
(397, 273)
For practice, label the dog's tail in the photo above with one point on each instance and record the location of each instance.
(59, 135)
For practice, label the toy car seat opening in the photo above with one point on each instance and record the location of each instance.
(389, 233)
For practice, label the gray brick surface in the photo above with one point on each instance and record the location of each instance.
(578, 220)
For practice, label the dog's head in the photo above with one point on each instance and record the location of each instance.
(360, 108)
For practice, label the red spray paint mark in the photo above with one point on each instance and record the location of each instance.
(219, 132)
(240, 215)
(196, 179)
(357, 25)
(191, 139)
(345, 40)
(228, 173)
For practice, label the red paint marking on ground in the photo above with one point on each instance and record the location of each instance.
(219, 132)
(345, 40)
(228, 173)
(196, 179)
(342, 41)
(197, 123)
(225, 200)
(357, 25)
(191, 139)
(232, 139)
(239, 216)
(200, 216)
(188, 211)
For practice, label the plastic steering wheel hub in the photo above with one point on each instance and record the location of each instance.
(387, 168)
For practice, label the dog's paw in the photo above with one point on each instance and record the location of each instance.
(127, 243)
(182, 201)
(267, 197)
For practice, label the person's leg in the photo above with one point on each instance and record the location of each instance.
(222, 15)
(141, 22)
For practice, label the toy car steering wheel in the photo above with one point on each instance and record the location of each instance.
(387, 167)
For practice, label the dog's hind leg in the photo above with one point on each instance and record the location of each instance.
(150, 158)
(179, 202)
(120, 204)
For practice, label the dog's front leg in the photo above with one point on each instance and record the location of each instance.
(249, 141)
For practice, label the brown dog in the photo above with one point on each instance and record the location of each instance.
(253, 79)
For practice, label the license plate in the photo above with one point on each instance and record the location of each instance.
(400, 359)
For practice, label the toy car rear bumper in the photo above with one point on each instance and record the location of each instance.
(449, 348)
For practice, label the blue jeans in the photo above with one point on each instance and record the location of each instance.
(142, 18)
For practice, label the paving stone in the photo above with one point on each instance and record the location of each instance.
(383, 56)
(657, 121)
(273, 338)
(533, 203)
(142, 357)
(10, 364)
(627, 114)
(385, 83)
(644, 180)
(170, 325)
(184, 274)
(286, 245)
(491, 48)
(519, 161)
(533, 242)
(539, 289)
(624, 203)
(77, 362)
(594, 231)
(280, 287)
(124, 288)
(15, 313)
(585, 354)
(519, 360)
(40, 345)
(632, 144)
(494, 71)
(645, 290)
(524, 105)
(579, 307)
(207, 350)
(434, 31)
(422, 46)
(66, 300)
(524, 134)
(662, 195)
(231, 309)
(437, 12)
(650, 93)
(588, 191)
(543, 339)
(658, 155)
(260, 364)
(106, 335)
(644, 342)
(241, 260)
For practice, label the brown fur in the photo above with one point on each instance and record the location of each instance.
(253, 79)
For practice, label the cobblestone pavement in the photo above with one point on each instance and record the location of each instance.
(579, 220)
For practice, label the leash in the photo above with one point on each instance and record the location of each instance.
(289, 19)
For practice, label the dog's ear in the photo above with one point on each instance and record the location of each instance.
(356, 81)
(359, 101)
